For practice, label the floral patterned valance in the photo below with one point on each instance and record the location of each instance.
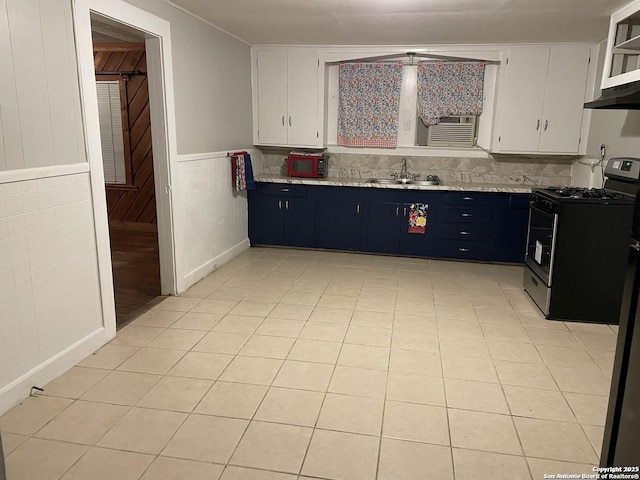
(369, 104)
(452, 88)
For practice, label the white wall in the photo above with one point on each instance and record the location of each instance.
(40, 118)
(212, 88)
(215, 216)
(50, 305)
(212, 80)
(50, 299)
(49, 289)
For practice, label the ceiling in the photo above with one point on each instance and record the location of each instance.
(407, 22)
(104, 30)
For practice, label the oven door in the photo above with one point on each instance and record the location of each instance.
(541, 242)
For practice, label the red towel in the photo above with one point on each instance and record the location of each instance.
(238, 174)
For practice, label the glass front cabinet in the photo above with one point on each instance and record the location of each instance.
(622, 61)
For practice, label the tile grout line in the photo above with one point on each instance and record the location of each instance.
(384, 400)
(324, 397)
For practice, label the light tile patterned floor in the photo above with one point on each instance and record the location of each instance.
(288, 364)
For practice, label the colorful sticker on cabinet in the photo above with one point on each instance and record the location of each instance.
(418, 218)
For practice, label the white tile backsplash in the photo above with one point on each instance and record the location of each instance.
(49, 286)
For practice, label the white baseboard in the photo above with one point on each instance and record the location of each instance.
(202, 271)
(19, 389)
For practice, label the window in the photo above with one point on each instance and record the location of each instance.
(412, 131)
(369, 104)
(115, 149)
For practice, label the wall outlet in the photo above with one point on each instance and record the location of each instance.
(407, 124)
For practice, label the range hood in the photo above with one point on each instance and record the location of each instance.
(622, 97)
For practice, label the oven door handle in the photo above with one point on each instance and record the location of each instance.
(542, 212)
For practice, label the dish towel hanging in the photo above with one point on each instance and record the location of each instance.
(242, 171)
(418, 218)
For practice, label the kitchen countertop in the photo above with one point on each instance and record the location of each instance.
(360, 182)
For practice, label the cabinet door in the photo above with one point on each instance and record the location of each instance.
(621, 65)
(522, 100)
(272, 97)
(299, 222)
(339, 224)
(381, 228)
(265, 220)
(302, 106)
(564, 99)
(509, 230)
(418, 244)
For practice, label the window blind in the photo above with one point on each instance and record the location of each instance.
(110, 114)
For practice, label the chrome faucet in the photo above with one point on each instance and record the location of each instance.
(404, 173)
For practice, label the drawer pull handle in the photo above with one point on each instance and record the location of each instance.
(467, 214)
(464, 233)
(286, 203)
(283, 120)
(284, 190)
(289, 121)
(464, 249)
(280, 204)
(467, 198)
(358, 208)
(397, 211)
(534, 281)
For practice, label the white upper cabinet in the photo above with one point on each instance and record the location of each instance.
(286, 97)
(622, 60)
(540, 100)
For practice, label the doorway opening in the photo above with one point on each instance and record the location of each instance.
(120, 64)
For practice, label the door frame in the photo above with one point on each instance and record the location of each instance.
(161, 102)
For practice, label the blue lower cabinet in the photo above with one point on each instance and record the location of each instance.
(509, 230)
(418, 242)
(287, 221)
(299, 222)
(463, 250)
(465, 232)
(266, 220)
(339, 224)
(460, 225)
(386, 230)
(381, 228)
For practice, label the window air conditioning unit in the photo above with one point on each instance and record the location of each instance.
(454, 131)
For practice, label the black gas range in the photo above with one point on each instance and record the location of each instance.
(576, 254)
(554, 197)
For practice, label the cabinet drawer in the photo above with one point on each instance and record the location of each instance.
(466, 214)
(465, 231)
(468, 198)
(286, 190)
(469, 250)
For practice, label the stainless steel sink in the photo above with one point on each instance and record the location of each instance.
(424, 182)
(402, 181)
(386, 181)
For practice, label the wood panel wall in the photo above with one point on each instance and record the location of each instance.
(132, 206)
